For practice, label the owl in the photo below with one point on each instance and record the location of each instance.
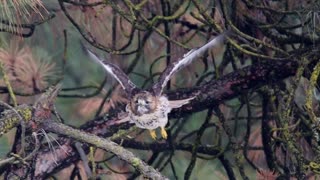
(148, 109)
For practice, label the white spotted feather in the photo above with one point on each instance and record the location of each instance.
(186, 60)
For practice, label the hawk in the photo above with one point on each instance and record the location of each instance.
(149, 109)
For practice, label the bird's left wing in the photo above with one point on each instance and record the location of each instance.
(115, 72)
(178, 103)
(186, 60)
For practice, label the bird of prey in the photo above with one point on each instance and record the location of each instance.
(149, 109)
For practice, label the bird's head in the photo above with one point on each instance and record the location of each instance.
(143, 103)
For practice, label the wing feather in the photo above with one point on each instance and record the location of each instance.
(178, 103)
(115, 72)
(186, 60)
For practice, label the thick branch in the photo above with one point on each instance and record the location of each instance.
(234, 84)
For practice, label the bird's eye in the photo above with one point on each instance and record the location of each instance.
(148, 102)
(136, 101)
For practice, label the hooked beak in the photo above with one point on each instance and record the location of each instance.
(142, 109)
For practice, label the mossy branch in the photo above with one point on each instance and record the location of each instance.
(10, 119)
(105, 144)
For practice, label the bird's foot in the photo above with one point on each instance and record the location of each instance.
(164, 133)
(153, 134)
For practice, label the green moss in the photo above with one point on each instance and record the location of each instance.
(26, 114)
(135, 162)
(11, 120)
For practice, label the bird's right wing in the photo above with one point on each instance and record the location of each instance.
(115, 72)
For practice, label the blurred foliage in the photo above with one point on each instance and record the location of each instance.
(143, 37)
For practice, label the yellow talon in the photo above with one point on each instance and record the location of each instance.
(164, 133)
(153, 134)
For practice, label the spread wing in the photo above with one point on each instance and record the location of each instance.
(115, 72)
(186, 60)
(178, 103)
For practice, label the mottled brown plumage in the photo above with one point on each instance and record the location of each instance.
(149, 109)
(143, 103)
